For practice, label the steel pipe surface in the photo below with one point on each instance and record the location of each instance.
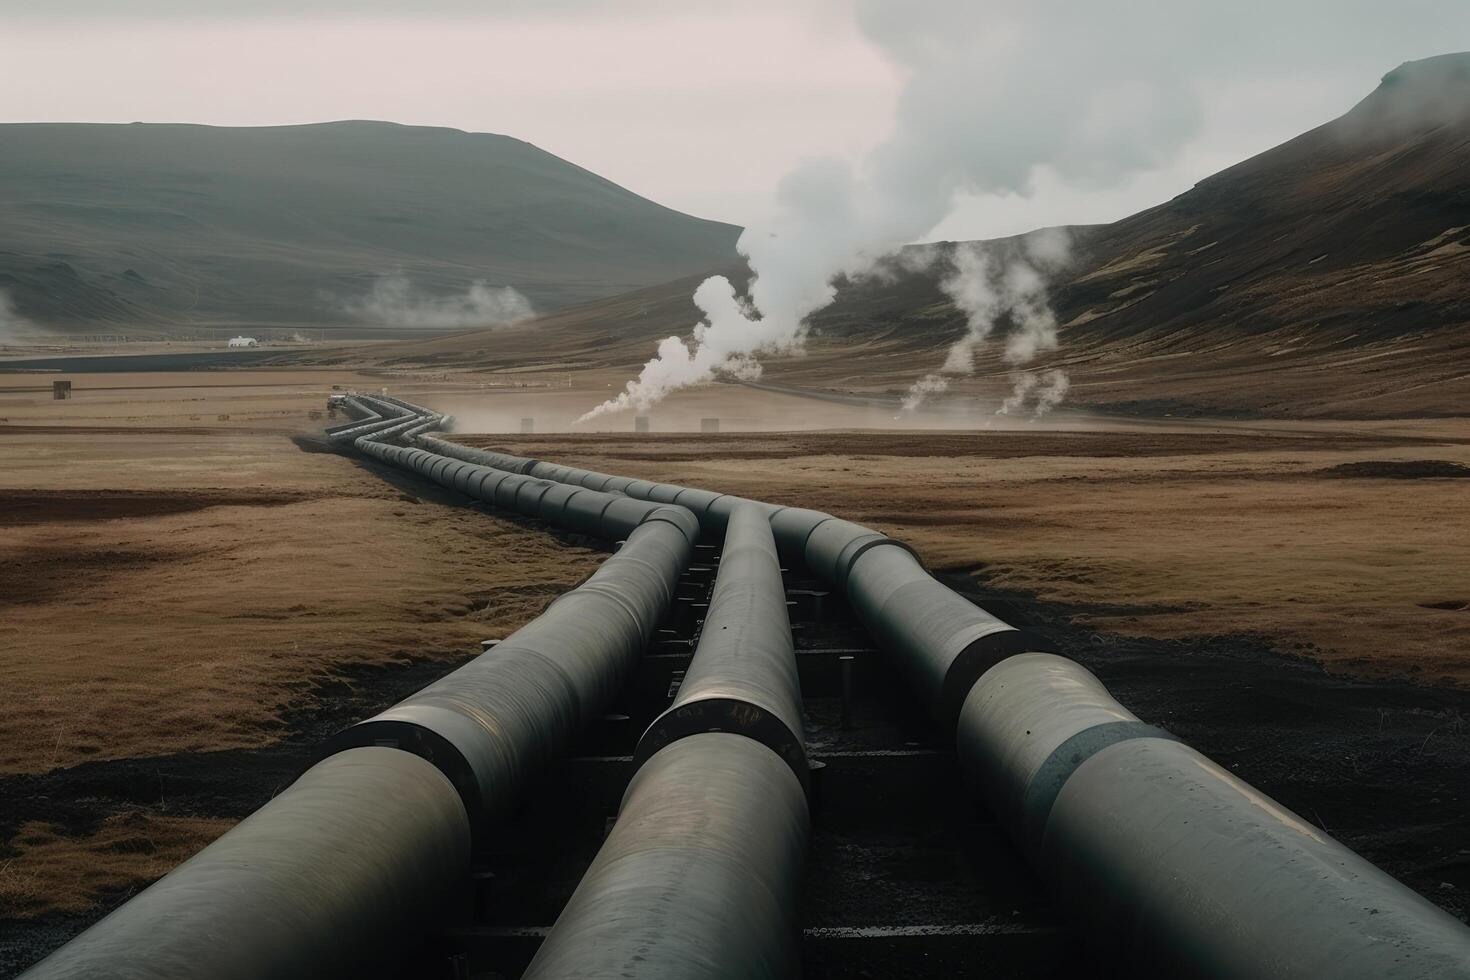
(743, 676)
(1175, 866)
(512, 709)
(324, 880)
(700, 877)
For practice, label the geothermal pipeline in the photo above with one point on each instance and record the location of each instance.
(1168, 863)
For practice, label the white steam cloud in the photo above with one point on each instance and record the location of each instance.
(993, 93)
(989, 282)
(394, 302)
(12, 324)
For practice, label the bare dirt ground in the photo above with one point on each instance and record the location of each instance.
(189, 603)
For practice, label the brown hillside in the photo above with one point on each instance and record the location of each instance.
(1327, 276)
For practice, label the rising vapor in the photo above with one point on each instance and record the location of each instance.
(991, 283)
(394, 302)
(12, 324)
(993, 92)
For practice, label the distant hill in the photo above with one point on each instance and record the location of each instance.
(1327, 276)
(173, 225)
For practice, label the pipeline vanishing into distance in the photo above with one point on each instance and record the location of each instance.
(1170, 864)
(701, 874)
(349, 861)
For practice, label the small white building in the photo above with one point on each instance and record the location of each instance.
(244, 342)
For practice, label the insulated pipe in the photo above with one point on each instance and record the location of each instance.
(743, 676)
(1177, 867)
(502, 461)
(1168, 860)
(493, 721)
(700, 877)
(358, 413)
(353, 433)
(330, 875)
(324, 880)
(512, 709)
(941, 641)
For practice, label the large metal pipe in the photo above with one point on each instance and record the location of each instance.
(512, 709)
(743, 676)
(341, 867)
(701, 875)
(490, 723)
(698, 878)
(383, 416)
(1175, 866)
(1170, 863)
(324, 880)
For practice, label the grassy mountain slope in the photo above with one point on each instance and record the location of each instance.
(1327, 276)
(286, 225)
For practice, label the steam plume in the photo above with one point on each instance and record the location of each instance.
(12, 324)
(988, 281)
(395, 302)
(979, 113)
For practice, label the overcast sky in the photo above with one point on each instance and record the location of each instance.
(705, 106)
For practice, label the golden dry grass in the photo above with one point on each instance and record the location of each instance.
(55, 872)
(167, 586)
(166, 591)
(1180, 531)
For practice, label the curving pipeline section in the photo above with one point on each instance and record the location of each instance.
(511, 710)
(1172, 865)
(701, 875)
(345, 864)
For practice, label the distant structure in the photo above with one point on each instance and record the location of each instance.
(244, 342)
(61, 390)
(640, 423)
(709, 425)
(528, 425)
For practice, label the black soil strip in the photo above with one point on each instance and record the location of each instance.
(1412, 469)
(997, 444)
(20, 507)
(1383, 765)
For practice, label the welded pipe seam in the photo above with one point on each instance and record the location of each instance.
(743, 677)
(364, 428)
(1091, 836)
(364, 841)
(491, 722)
(1041, 792)
(1164, 856)
(943, 641)
(1178, 868)
(618, 514)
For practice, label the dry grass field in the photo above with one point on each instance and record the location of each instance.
(172, 584)
(182, 594)
(1320, 536)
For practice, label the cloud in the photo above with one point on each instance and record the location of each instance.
(996, 96)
